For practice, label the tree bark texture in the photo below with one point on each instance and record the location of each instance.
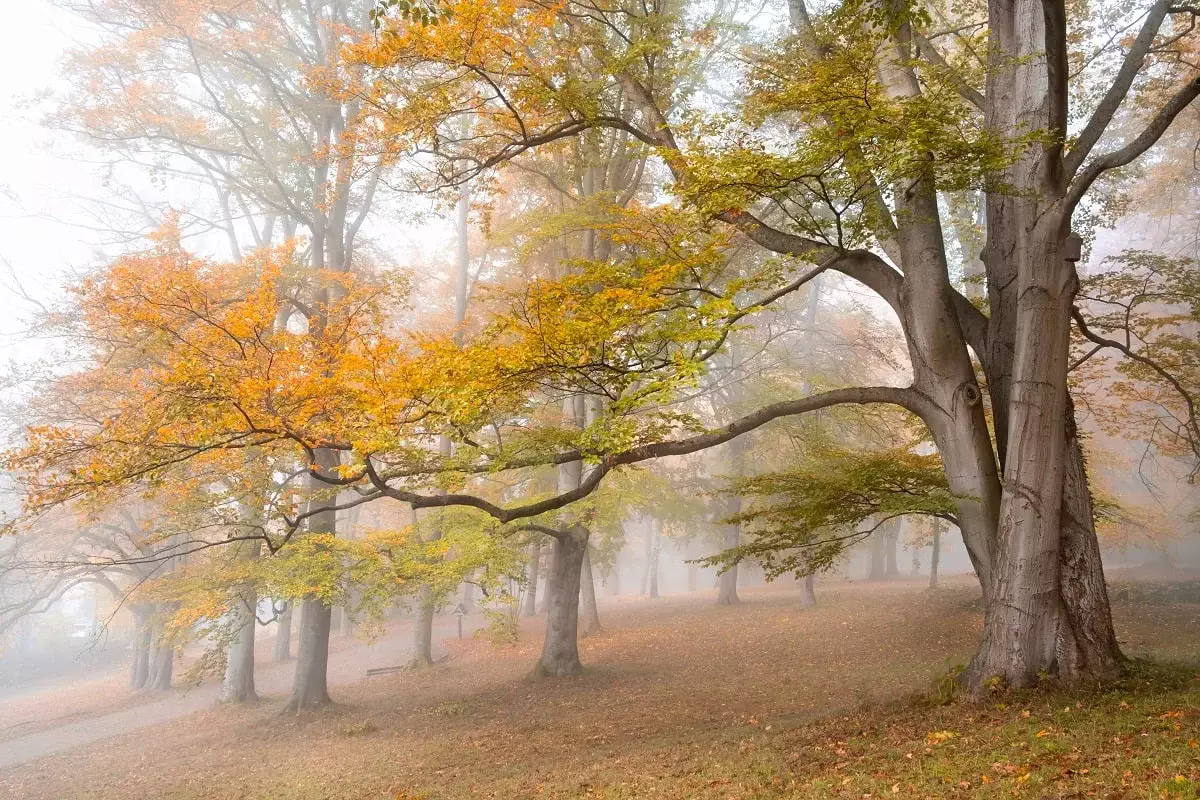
(283, 634)
(560, 650)
(143, 641)
(531, 575)
(423, 630)
(310, 688)
(587, 599)
(238, 685)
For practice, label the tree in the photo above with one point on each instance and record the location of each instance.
(909, 123)
(237, 101)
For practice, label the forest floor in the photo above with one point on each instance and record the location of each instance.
(682, 699)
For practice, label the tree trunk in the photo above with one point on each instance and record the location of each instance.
(238, 686)
(612, 581)
(143, 642)
(809, 598)
(649, 556)
(891, 545)
(283, 634)
(693, 577)
(310, 688)
(935, 557)
(1087, 644)
(1021, 625)
(587, 588)
(162, 667)
(423, 630)
(727, 586)
(727, 594)
(655, 550)
(531, 572)
(468, 593)
(878, 559)
(560, 651)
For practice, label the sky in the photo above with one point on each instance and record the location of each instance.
(41, 236)
(48, 190)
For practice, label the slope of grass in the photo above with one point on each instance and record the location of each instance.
(681, 700)
(1134, 739)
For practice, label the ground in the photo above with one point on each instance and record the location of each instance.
(682, 699)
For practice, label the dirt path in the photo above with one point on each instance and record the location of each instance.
(347, 665)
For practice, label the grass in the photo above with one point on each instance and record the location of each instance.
(1134, 739)
(685, 700)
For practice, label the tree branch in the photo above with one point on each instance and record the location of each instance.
(1144, 141)
(1117, 92)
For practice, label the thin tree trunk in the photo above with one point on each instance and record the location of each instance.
(349, 623)
(423, 630)
(727, 582)
(935, 557)
(560, 650)
(649, 556)
(468, 593)
(612, 581)
(283, 634)
(693, 577)
(535, 558)
(587, 588)
(655, 550)
(143, 641)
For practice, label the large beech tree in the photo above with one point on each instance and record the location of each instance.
(855, 120)
(866, 112)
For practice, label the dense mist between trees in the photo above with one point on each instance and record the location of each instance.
(465, 348)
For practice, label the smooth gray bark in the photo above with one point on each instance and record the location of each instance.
(310, 688)
(935, 557)
(727, 586)
(876, 564)
(808, 598)
(587, 597)
(283, 634)
(423, 630)
(143, 640)
(531, 577)
(162, 665)
(655, 551)
(238, 684)
(560, 650)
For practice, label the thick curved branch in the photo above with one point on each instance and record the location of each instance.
(907, 398)
(861, 265)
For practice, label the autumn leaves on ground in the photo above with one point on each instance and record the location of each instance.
(684, 699)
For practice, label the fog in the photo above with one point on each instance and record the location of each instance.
(404, 398)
